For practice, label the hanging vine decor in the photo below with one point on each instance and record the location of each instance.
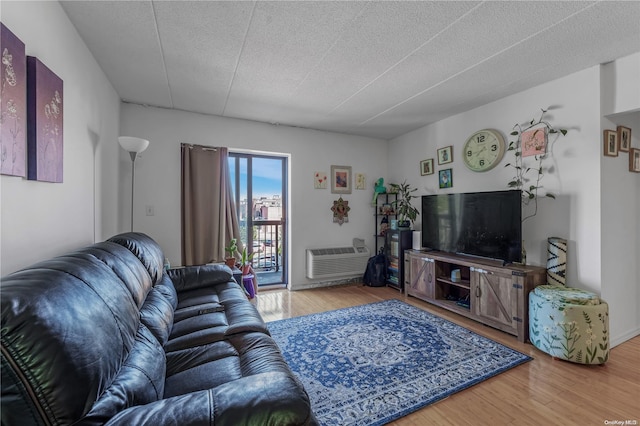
(340, 211)
(531, 139)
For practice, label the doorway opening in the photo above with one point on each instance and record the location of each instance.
(259, 185)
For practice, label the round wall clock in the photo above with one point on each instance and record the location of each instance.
(483, 150)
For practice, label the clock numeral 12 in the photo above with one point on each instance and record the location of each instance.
(480, 139)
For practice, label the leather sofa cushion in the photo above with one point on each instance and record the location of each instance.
(241, 402)
(139, 381)
(145, 249)
(192, 277)
(210, 314)
(68, 325)
(211, 365)
(157, 315)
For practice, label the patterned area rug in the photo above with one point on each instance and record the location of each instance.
(371, 364)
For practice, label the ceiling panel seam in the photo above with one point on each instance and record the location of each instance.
(470, 67)
(164, 64)
(414, 51)
(235, 68)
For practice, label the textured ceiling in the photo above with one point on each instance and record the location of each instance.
(378, 68)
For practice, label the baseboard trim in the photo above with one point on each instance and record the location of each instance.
(318, 284)
(615, 341)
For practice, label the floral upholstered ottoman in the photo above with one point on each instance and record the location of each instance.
(569, 323)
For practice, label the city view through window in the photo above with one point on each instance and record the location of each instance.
(258, 187)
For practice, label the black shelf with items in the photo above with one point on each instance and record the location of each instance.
(384, 213)
(396, 242)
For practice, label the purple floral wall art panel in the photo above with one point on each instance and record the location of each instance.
(13, 109)
(45, 118)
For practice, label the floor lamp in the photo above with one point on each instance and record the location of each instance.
(134, 146)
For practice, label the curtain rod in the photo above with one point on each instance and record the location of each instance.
(203, 147)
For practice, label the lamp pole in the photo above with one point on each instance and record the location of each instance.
(133, 146)
(133, 155)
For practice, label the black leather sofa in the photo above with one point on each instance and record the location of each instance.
(104, 335)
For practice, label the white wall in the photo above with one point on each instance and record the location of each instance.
(310, 217)
(41, 219)
(621, 200)
(575, 174)
(595, 208)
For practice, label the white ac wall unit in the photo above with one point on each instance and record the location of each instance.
(336, 262)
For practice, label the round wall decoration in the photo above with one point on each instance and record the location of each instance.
(483, 150)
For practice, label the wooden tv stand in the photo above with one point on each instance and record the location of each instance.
(487, 291)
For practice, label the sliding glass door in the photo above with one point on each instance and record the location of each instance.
(259, 189)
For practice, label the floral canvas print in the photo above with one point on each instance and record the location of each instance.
(45, 115)
(13, 112)
(534, 142)
(320, 180)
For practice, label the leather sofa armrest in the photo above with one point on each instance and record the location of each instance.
(192, 277)
(264, 399)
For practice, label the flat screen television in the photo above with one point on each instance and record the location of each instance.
(483, 224)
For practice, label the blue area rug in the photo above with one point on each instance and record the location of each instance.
(371, 364)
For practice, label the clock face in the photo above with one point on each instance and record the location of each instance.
(483, 150)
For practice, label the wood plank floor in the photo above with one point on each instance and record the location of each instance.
(541, 392)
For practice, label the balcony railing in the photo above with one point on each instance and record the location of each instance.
(266, 245)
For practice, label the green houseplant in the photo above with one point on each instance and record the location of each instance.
(245, 261)
(407, 214)
(231, 249)
(528, 177)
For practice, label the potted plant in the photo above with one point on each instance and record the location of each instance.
(406, 212)
(245, 261)
(231, 249)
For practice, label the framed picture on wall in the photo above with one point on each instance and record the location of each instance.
(445, 178)
(320, 180)
(445, 155)
(341, 179)
(13, 107)
(624, 138)
(634, 160)
(45, 121)
(610, 143)
(426, 167)
(534, 142)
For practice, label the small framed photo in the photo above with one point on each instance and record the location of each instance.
(534, 142)
(426, 167)
(624, 138)
(634, 160)
(445, 178)
(340, 179)
(445, 155)
(610, 143)
(320, 180)
(361, 181)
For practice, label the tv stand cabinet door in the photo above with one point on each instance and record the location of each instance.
(496, 299)
(421, 277)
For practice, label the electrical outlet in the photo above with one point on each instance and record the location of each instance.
(150, 211)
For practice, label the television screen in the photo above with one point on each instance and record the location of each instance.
(485, 224)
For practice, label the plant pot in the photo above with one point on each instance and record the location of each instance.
(404, 224)
(246, 270)
(230, 262)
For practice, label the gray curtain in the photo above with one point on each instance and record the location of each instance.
(209, 219)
